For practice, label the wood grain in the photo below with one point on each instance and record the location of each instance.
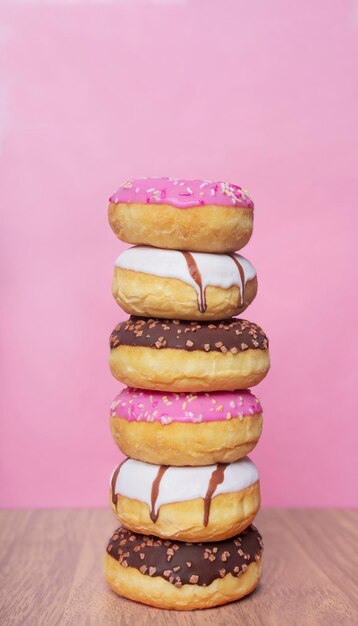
(51, 573)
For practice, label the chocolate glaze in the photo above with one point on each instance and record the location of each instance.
(234, 335)
(155, 491)
(186, 563)
(216, 479)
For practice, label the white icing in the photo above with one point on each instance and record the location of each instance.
(218, 270)
(180, 484)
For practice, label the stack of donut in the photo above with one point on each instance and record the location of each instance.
(186, 494)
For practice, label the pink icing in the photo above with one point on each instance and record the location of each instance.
(181, 193)
(137, 405)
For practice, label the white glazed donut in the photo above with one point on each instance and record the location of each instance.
(179, 284)
(206, 503)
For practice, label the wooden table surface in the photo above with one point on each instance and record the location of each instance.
(51, 573)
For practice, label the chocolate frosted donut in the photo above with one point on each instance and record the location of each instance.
(187, 285)
(173, 355)
(177, 575)
(186, 428)
(206, 503)
(197, 215)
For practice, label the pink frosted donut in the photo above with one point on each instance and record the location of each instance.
(197, 215)
(186, 428)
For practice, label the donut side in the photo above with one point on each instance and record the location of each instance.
(209, 228)
(179, 370)
(154, 296)
(187, 443)
(230, 514)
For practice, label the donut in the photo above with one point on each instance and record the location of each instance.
(189, 285)
(174, 355)
(197, 215)
(176, 575)
(207, 503)
(186, 429)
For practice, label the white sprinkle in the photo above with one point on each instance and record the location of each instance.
(150, 190)
(166, 420)
(189, 190)
(203, 185)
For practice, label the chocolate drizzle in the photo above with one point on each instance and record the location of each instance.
(242, 277)
(217, 477)
(155, 492)
(186, 563)
(113, 482)
(196, 276)
(230, 335)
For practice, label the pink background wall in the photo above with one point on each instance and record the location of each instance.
(259, 93)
